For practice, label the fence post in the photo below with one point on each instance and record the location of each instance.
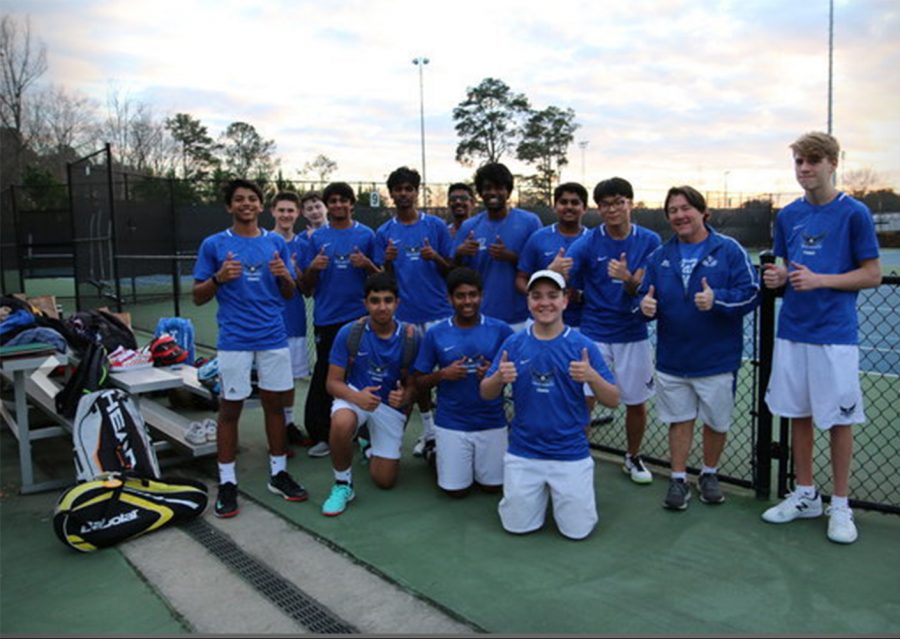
(764, 444)
(114, 245)
(176, 264)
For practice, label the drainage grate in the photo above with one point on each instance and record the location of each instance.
(291, 600)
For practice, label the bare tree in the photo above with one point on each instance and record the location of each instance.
(860, 181)
(322, 167)
(140, 140)
(60, 121)
(21, 64)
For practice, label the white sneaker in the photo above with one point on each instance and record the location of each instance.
(794, 507)
(319, 450)
(841, 528)
(419, 448)
(196, 433)
(211, 429)
(634, 466)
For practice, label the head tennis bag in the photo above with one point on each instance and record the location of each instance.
(113, 508)
(109, 435)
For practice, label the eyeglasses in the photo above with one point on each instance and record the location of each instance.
(459, 198)
(618, 203)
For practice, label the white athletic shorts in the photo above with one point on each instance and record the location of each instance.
(467, 456)
(273, 369)
(385, 426)
(299, 356)
(528, 483)
(816, 380)
(682, 399)
(631, 364)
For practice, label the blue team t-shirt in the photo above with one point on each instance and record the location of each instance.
(459, 404)
(340, 287)
(690, 256)
(250, 307)
(295, 308)
(607, 316)
(550, 410)
(501, 299)
(377, 361)
(423, 290)
(833, 238)
(540, 249)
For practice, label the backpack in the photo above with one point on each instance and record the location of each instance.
(410, 345)
(182, 329)
(104, 511)
(109, 435)
(97, 325)
(91, 375)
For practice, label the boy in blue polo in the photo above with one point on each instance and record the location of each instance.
(414, 247)
(248, 270)
(491, 243)
(368, 388)
(470, 432)
(829, 249)
(337, 262)
(548, 365)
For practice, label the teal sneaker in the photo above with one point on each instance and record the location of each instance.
(341, 495)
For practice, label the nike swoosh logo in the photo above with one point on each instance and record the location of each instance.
(601, 259)
(447, 348)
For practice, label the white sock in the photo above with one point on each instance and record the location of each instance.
(840, 502)
(277, 463)
(227, 473)
(680, 475)
(709, 470)
(427, 425)
(288, 416)
(345, 476)
(806, 491)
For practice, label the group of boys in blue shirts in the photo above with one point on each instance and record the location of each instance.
(552, 312)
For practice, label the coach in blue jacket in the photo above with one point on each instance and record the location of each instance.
(698, 286)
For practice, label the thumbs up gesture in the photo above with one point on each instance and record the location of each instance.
(580, 370)
(498, 251)
(231, 269)
(507, 369)
(368, 398)
(705, 298)
(427, 251)
(397, 396)
(277, 266)
(469, 247)
(320, 261)
(618, 269)
(390, 251)
(648, 303)
(561, 264)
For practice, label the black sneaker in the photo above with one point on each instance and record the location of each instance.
(226, 503)
(429, 453)
(710, 491)
(678, 496)
(283, 484)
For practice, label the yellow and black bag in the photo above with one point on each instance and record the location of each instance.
(113, 507)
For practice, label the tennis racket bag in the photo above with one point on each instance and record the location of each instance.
(115, 507)
(109, 435)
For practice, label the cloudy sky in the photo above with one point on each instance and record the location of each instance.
(665, 91)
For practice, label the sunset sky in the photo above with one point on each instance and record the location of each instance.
(698, 91)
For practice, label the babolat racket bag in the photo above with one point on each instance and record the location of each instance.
(113, 508)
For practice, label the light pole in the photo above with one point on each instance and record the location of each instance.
(582, 145)
(726, 189)
(421, 62)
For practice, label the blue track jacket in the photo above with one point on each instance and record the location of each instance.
(690, 342)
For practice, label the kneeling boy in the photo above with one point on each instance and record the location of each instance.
(548, 457)
(367, 387)
(471, 433)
